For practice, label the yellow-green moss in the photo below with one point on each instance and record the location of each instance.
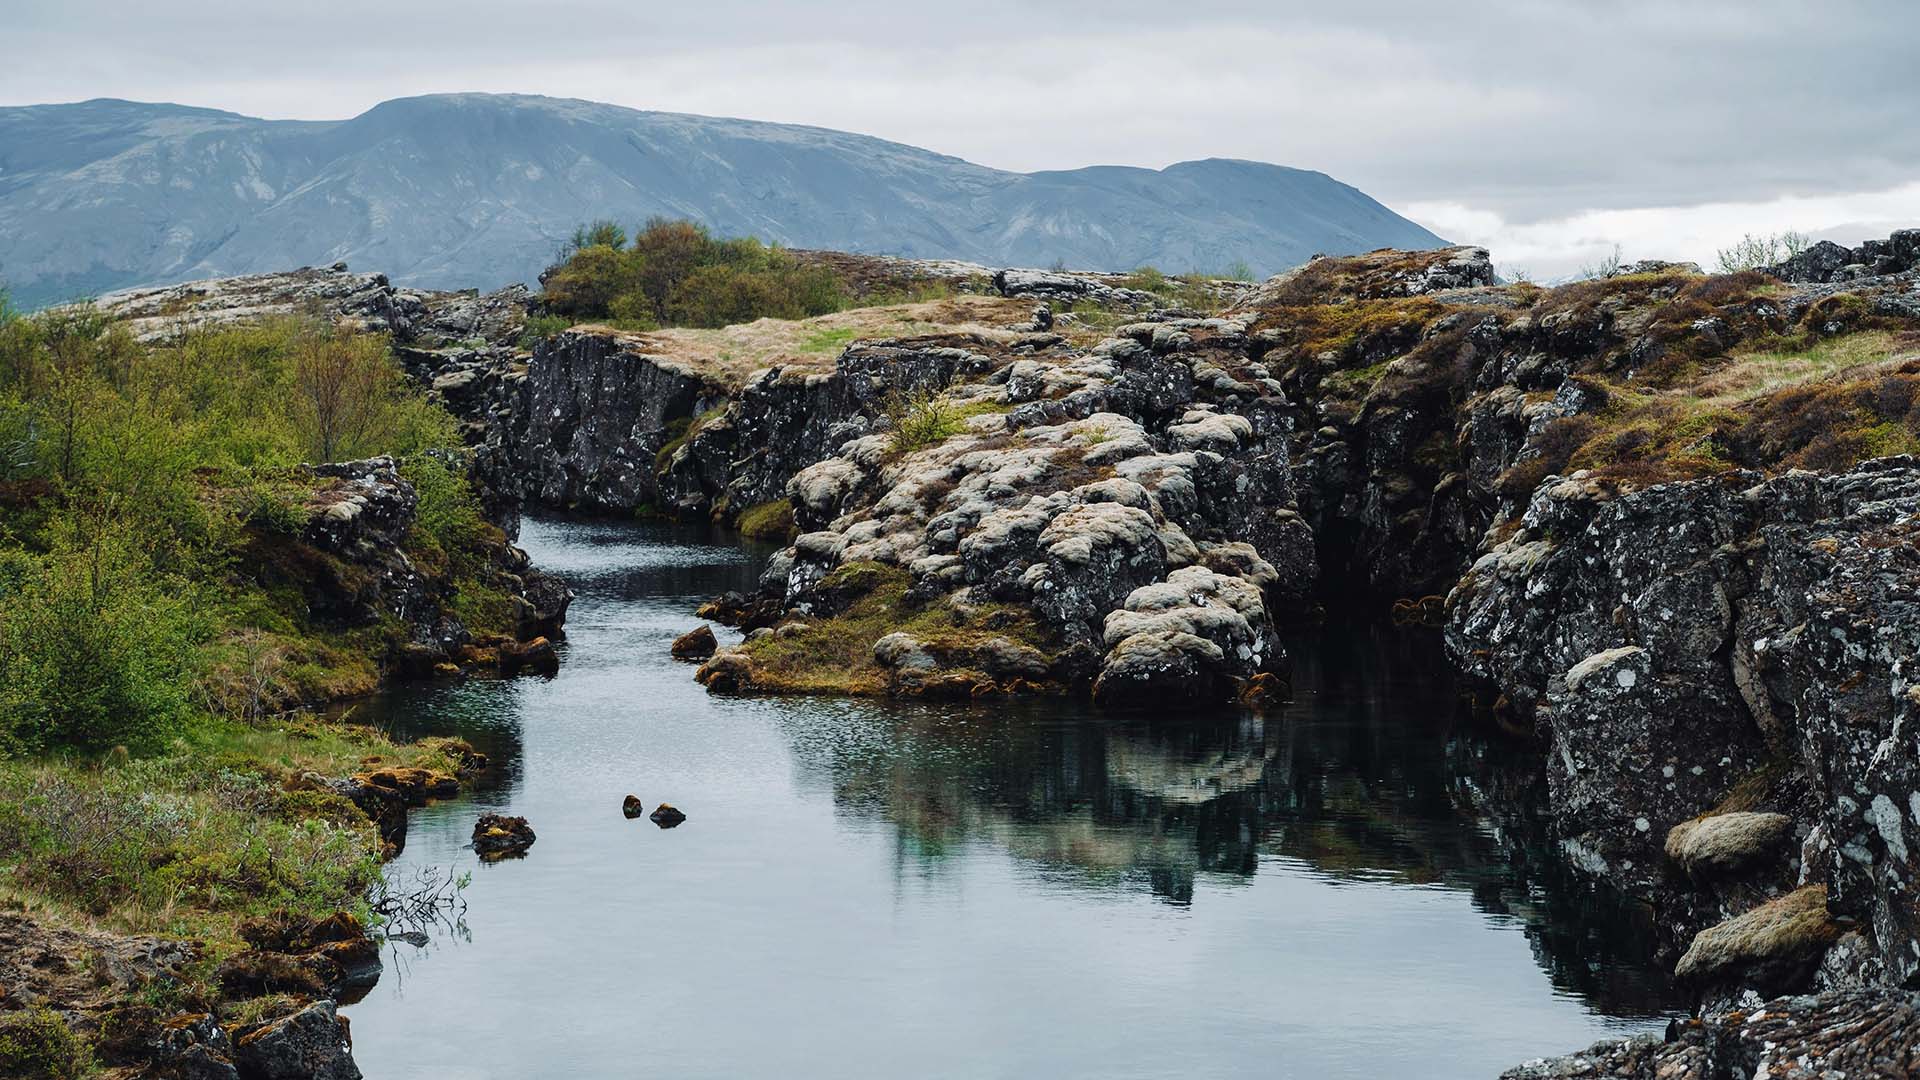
(835, 655)
(768, 521)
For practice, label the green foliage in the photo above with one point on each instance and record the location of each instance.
(37, 1043)
(448, 516)
(155, 841)
(541, 327)
(97, 647)
(829, 339)
(675, 273)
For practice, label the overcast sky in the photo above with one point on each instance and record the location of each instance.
(1548, 131)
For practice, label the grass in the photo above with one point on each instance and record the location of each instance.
(222, 826)
(828, 339)
(835, 655)
(925, 418)
(1821, 404)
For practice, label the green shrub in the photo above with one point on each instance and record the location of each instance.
(541, 327)
(97, 649)
(675, 273)
(38, 1044)
(448, 515)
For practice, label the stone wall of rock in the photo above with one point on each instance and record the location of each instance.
(1734, 643)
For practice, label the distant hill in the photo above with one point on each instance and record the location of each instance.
(461, 190)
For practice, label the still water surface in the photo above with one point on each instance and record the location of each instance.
(872, 889)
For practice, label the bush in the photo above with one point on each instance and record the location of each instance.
(448, 515)
(96, 649)
(675, 273)
(38, 1043)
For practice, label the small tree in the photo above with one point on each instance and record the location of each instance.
(343, 388)
(1754, 252)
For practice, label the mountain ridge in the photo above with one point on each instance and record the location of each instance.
(477, 190)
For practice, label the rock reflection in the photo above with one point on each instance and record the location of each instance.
(1372, 775)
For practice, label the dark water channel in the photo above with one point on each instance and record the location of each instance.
(870, 889)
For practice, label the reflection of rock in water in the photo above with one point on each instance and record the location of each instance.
(1371, 775)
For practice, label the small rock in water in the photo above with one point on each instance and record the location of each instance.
(496, 836)
(696, 644)
(536, 657)
(666, 816)
(632, 806)
(415, 938)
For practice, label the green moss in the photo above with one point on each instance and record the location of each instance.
(835, 655)
(769, 521)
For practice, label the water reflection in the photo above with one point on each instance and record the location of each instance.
(1373, 774)
(874, 888)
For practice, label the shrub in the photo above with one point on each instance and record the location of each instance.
(448, 515)
(1753, 252)
(38, 1043)
(675, 273)
(96, 649)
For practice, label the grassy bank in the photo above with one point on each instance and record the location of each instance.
(165, 622)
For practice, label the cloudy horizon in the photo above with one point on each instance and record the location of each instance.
(1552, 139)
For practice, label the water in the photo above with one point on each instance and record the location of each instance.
(868, 889)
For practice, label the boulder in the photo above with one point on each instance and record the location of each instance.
(1721, 846)
(696, 644)
(497, 836)
(311, 1044)
(1772, 949)
(536, 657)
(666, 816)
(632, 807)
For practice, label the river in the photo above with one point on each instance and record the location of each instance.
(1351, 887)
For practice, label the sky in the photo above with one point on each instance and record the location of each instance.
(1548, 131)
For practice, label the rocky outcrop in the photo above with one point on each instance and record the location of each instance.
(1682, 643)
(1136, 499)
(419, 317)
(1838, 1034)
(349, 561)
(311, 1044)
(1827, 261)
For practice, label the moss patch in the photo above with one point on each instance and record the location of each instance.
(769, 521)
(835, 655)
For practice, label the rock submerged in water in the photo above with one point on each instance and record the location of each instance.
(696, 644)
(666, 816)
(497, 836)
(632, 807)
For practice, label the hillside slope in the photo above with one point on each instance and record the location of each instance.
(477, 190)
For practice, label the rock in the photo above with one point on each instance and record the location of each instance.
(1773, 949)
(1197, 637)
(536, 657)
(312, 1044)
(666, 816)
(496, 836)
(1759, 620)
(1724, 845)
(191, 1046)
(696, 644)
(1859, 1034)
(632, 807)
(416, 787)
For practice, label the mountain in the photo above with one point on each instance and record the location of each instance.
(479, 190)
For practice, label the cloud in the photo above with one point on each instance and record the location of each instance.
(1534, 110)
(1560, 247)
